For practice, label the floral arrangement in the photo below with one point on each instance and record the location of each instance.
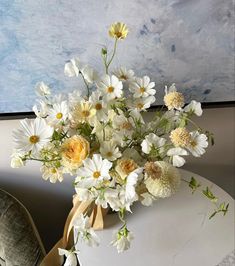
(102, 139)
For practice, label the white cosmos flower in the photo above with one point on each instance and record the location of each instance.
(52, 173)
(100, 105)
(71, 257)
(42, 110)
(75, 98)
(42, 89)
(89, 74)
(198, 144)
(194, 107)
(123, 74)
(142, 87)
(16, 159)
(33, 135)
(58, 114)
(146, 199)
(124, 125)
(131, 181)
(176, 154)
(84, 231)
(72, 68)
(110, 151)
(122, 239)
(94, 172)
(141, 104)
(111, 87)
(152, 141)
(104, 197)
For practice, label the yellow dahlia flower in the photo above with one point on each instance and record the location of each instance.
(161, 179)
(125, 167)
(118, 30)
(74, 150)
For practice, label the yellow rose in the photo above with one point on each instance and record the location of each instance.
(125, 167)
(74, 150)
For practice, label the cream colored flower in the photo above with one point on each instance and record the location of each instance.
(118, 30)
(83, 112)
(180, 137)
(74, 150)
(125, 167)
(161, 179)
(173, 99)
(52, 173)
(124, 74)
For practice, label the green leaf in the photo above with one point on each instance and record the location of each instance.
(209, 195)
(213, 214)
(193, 184)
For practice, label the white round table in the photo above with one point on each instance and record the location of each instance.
(173, 232)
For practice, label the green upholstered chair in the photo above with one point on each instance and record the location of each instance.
(20, 244)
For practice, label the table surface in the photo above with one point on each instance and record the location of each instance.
(172, 232)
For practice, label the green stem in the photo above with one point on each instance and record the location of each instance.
(45, 161)
(111, 59)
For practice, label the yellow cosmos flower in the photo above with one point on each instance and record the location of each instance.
(83, 112)
(74, 150)
(118, 30)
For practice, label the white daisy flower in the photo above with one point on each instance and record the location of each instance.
(123, 74)
(100, 105)
(73, 67)
(176, 154)
(105, 196)
(142, 87)
(198, 144)
(52, 173)
(32, 136)
(152, 141)
(110, 151)
(94, 172)
(124, 125)
(141, 104)
(42, 89)
(122, 240)
(83, 112)
(194, 108)
(71, 257)
(111, 87)
(58, 114)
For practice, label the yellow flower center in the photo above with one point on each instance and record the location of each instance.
(127, 125)
(193, 143)
(96, 174)
(110, 89)
(109, 154)
(152, 170)
(123, 77)
(53, 170)
(98, 106)
(180, 137)
(59, 115)
(174, 100)
(85, 113)
(33, 139)
(118, 34)
(142, 89)
(139, 105)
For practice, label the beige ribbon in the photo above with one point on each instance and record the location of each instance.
(66, 242)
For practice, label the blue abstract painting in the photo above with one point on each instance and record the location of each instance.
(188, 42)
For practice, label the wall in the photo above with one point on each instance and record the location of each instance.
(49, 203)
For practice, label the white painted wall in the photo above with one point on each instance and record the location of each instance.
(49, 203)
